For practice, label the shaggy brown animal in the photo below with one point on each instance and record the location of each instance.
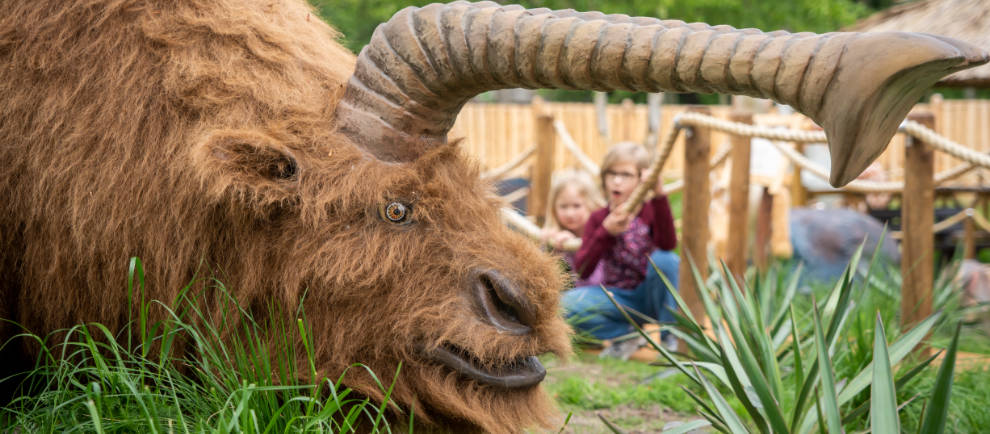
(192, 132)
(180, 132)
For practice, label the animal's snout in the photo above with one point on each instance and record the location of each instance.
(502, 303)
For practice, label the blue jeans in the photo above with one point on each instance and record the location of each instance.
(588, 309)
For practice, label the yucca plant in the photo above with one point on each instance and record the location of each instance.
(778, 359)
(227, 380)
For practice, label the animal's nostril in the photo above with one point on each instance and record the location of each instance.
(501, 306)
(503, 303)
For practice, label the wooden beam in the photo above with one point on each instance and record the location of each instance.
(799, 196)
(696, 199)
(542, 168)
(969, 236)
(601, 115)
(738, 200)
(918, 217)
(764, 230)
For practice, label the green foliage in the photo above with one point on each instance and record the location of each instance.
(967, 409)
(90, 380)
(357, 19)
(803, 372)
(578, 391)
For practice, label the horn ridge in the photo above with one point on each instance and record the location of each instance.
(857, 86)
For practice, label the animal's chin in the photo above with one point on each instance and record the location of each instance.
(523, 372)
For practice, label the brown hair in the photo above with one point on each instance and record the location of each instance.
(199, 136)
(625, 151)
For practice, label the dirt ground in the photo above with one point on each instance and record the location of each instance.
(631, 417)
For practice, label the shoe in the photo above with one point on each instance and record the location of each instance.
(669, 342)
(623, 349)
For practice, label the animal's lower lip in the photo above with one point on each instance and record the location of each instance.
(522, 372)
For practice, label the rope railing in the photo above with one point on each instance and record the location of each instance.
(575, 150)
(720, 158)
(855, 185)
(517, 221)
(653, 173)
(972, 158)
(981, 221)
(740, 129)
(866, 186)
(944, 224)
(498, 173)
(945, 145)
(516, 195)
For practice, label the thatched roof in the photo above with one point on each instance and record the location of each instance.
(966, 20)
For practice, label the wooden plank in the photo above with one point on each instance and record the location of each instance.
(799, 196)
(917, 217)
(628, 120)
(738, 200)
(694, 230)
(969, 238)
(542, 168)
(764, 229)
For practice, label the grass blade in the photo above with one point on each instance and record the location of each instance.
(883, 400)
(828, 400)
(732, 421)
(938, 407)
(687, 427)
(611, 426)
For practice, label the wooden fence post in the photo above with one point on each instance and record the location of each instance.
(917, 219)
(738, 199)
(969, 236)
(653, 117)
(628, 120)
(601, 115)
(694, 220)
(799, 196)
(539, 184)
(764, 230)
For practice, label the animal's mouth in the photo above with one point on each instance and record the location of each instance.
(522, 372)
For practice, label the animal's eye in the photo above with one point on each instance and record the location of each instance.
(395, 212)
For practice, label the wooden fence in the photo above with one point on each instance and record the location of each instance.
(497, 133)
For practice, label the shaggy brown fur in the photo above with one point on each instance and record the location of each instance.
(190, 131)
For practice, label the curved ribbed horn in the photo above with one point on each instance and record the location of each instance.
(423, 65)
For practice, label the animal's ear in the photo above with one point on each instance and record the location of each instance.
(249, 163)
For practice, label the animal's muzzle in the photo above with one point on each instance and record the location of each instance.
(502, 303)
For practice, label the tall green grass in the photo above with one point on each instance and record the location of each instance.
(222, 378)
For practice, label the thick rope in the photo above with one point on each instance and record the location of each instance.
(498, 173)
(945, 145)
(720, 157)
(856, 185)
(653, 174)
(575, 150)
(516, 195)
(953, 173)
(942, 225)
(915, 129)
(528, 228)
(678, 185)
(981, 222)
(864, 186)
(740, 129)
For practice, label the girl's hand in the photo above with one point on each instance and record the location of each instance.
(561, 237)
(556, 239)
(617, 221)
